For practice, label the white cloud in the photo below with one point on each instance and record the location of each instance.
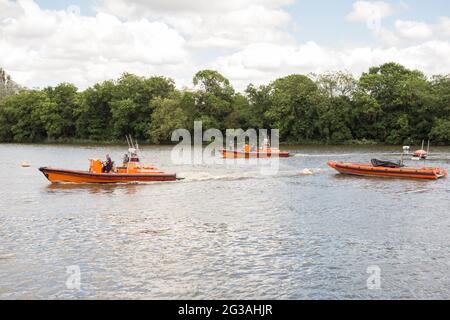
(246, 40)
(238, 28)
(38, 46)
(206, 24)
(444, 26)
(405, 32)
(373, 13)
(262, 63)
(140, 8)
(367, 11)
(413, 29)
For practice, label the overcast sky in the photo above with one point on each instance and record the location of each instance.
(45, 42)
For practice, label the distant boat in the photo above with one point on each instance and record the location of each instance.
(272, 153)
(421, 154)
(264, 152)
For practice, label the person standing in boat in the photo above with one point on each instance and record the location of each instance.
(126, 159)
(107, 167)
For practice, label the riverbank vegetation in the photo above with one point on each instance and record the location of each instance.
(387, 104)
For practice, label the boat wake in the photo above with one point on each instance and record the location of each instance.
(207, 176)
(303, 155)
(309, 172)
(415, 191)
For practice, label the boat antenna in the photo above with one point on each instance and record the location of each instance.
(131, 141)
(428, 152)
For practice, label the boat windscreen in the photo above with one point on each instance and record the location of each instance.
(386, 163)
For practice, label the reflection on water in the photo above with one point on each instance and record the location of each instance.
(92, 188)
(221, 232)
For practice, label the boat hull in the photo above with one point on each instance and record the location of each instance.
(74, 176)
(229, 154)
(363, 169)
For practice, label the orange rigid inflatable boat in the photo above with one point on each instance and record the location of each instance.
(368, 169)
(132, 171)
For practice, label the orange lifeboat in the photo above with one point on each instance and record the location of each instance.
(265, 152)
(269, 153)
(132, 171)
(370, 169)
(121, 175)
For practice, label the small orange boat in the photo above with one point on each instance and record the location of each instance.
(131, 171)
(379, 170)
(265, 152)
(230, 154)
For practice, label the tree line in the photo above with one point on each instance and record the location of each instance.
(387, 104)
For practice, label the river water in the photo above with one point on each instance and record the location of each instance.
(223, 232)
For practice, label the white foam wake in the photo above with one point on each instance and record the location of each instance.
(208, 176)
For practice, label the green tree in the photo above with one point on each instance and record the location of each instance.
(441, 131)
(292, 111)
(131, 106)
(59, 116)
(402, 95)
(214, 99)
(242, 115)
(259, 102)
(337, 84)
(366, 118)
(440, 91)
(94, 113)
(334, 120)
(334, 114)
(20, 119)
(168, 116)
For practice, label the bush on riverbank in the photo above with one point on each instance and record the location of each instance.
(388, 104)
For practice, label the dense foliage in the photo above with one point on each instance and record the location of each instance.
(387, 104)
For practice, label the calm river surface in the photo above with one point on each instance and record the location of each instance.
(305, 233)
